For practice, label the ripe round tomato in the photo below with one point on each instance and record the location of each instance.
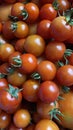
(32, 12)
(10, 99)
(46, 70)
(19, 45)
(43, 109)
(20, 29)
(48, 91)
(29, 63)
(43, 28)
(16, 78)
(46, 124)
(30, 90)
(34, 44)
(5, 119)
(59, 29)
(3, 83)
(55, 50)
(5, 51)
(47, 11)
(65, 75)
(21, 118)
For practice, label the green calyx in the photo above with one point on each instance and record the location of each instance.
(65, 89)
(13, 18)
(54, 113)
(24, 14)
(13, 91)
(13, 26)
(36, 75)
(56, 5)
(68, 52)
(2, 75)
(17, 62)
(69, 16)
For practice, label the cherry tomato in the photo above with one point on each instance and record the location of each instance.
(32, 12)
(29, 63)
(3, 83)
(5, 119)
(22, 118)
(48, 91)
(65, 75)
(20, 29)
(17, 10)
(43, 109)
(34, 44)
(55, 51)
(63, 5)
(66, 108)
(30, 90)
(16, 78)
(46, 124)
(5, 51)
(33, 28)
(7, 31)
(19, 45)
(43, 28)
(46, 70)
(10, 99)
(48, 12)
(59, 29)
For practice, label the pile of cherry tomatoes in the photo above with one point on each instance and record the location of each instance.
(36, 64)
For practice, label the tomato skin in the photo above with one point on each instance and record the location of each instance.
(22, 118)
(16, 78)
(46, 124)
(5, 119)
(29, 63)
(19, 45)
(47, 11)
(0, 27)
(33, 12)
(9, 103)
(48, 91)
(66, 108)
(10, 1)
(3, 83)
(47, 70)
(5, 68)
(5, 51)
(30, 90)
(7, 31)
(34, 44)
(64, 75)
(59, 29)
(46, 1)
(21, 30)
(63, 5)
(55, 50)
(43, 28)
